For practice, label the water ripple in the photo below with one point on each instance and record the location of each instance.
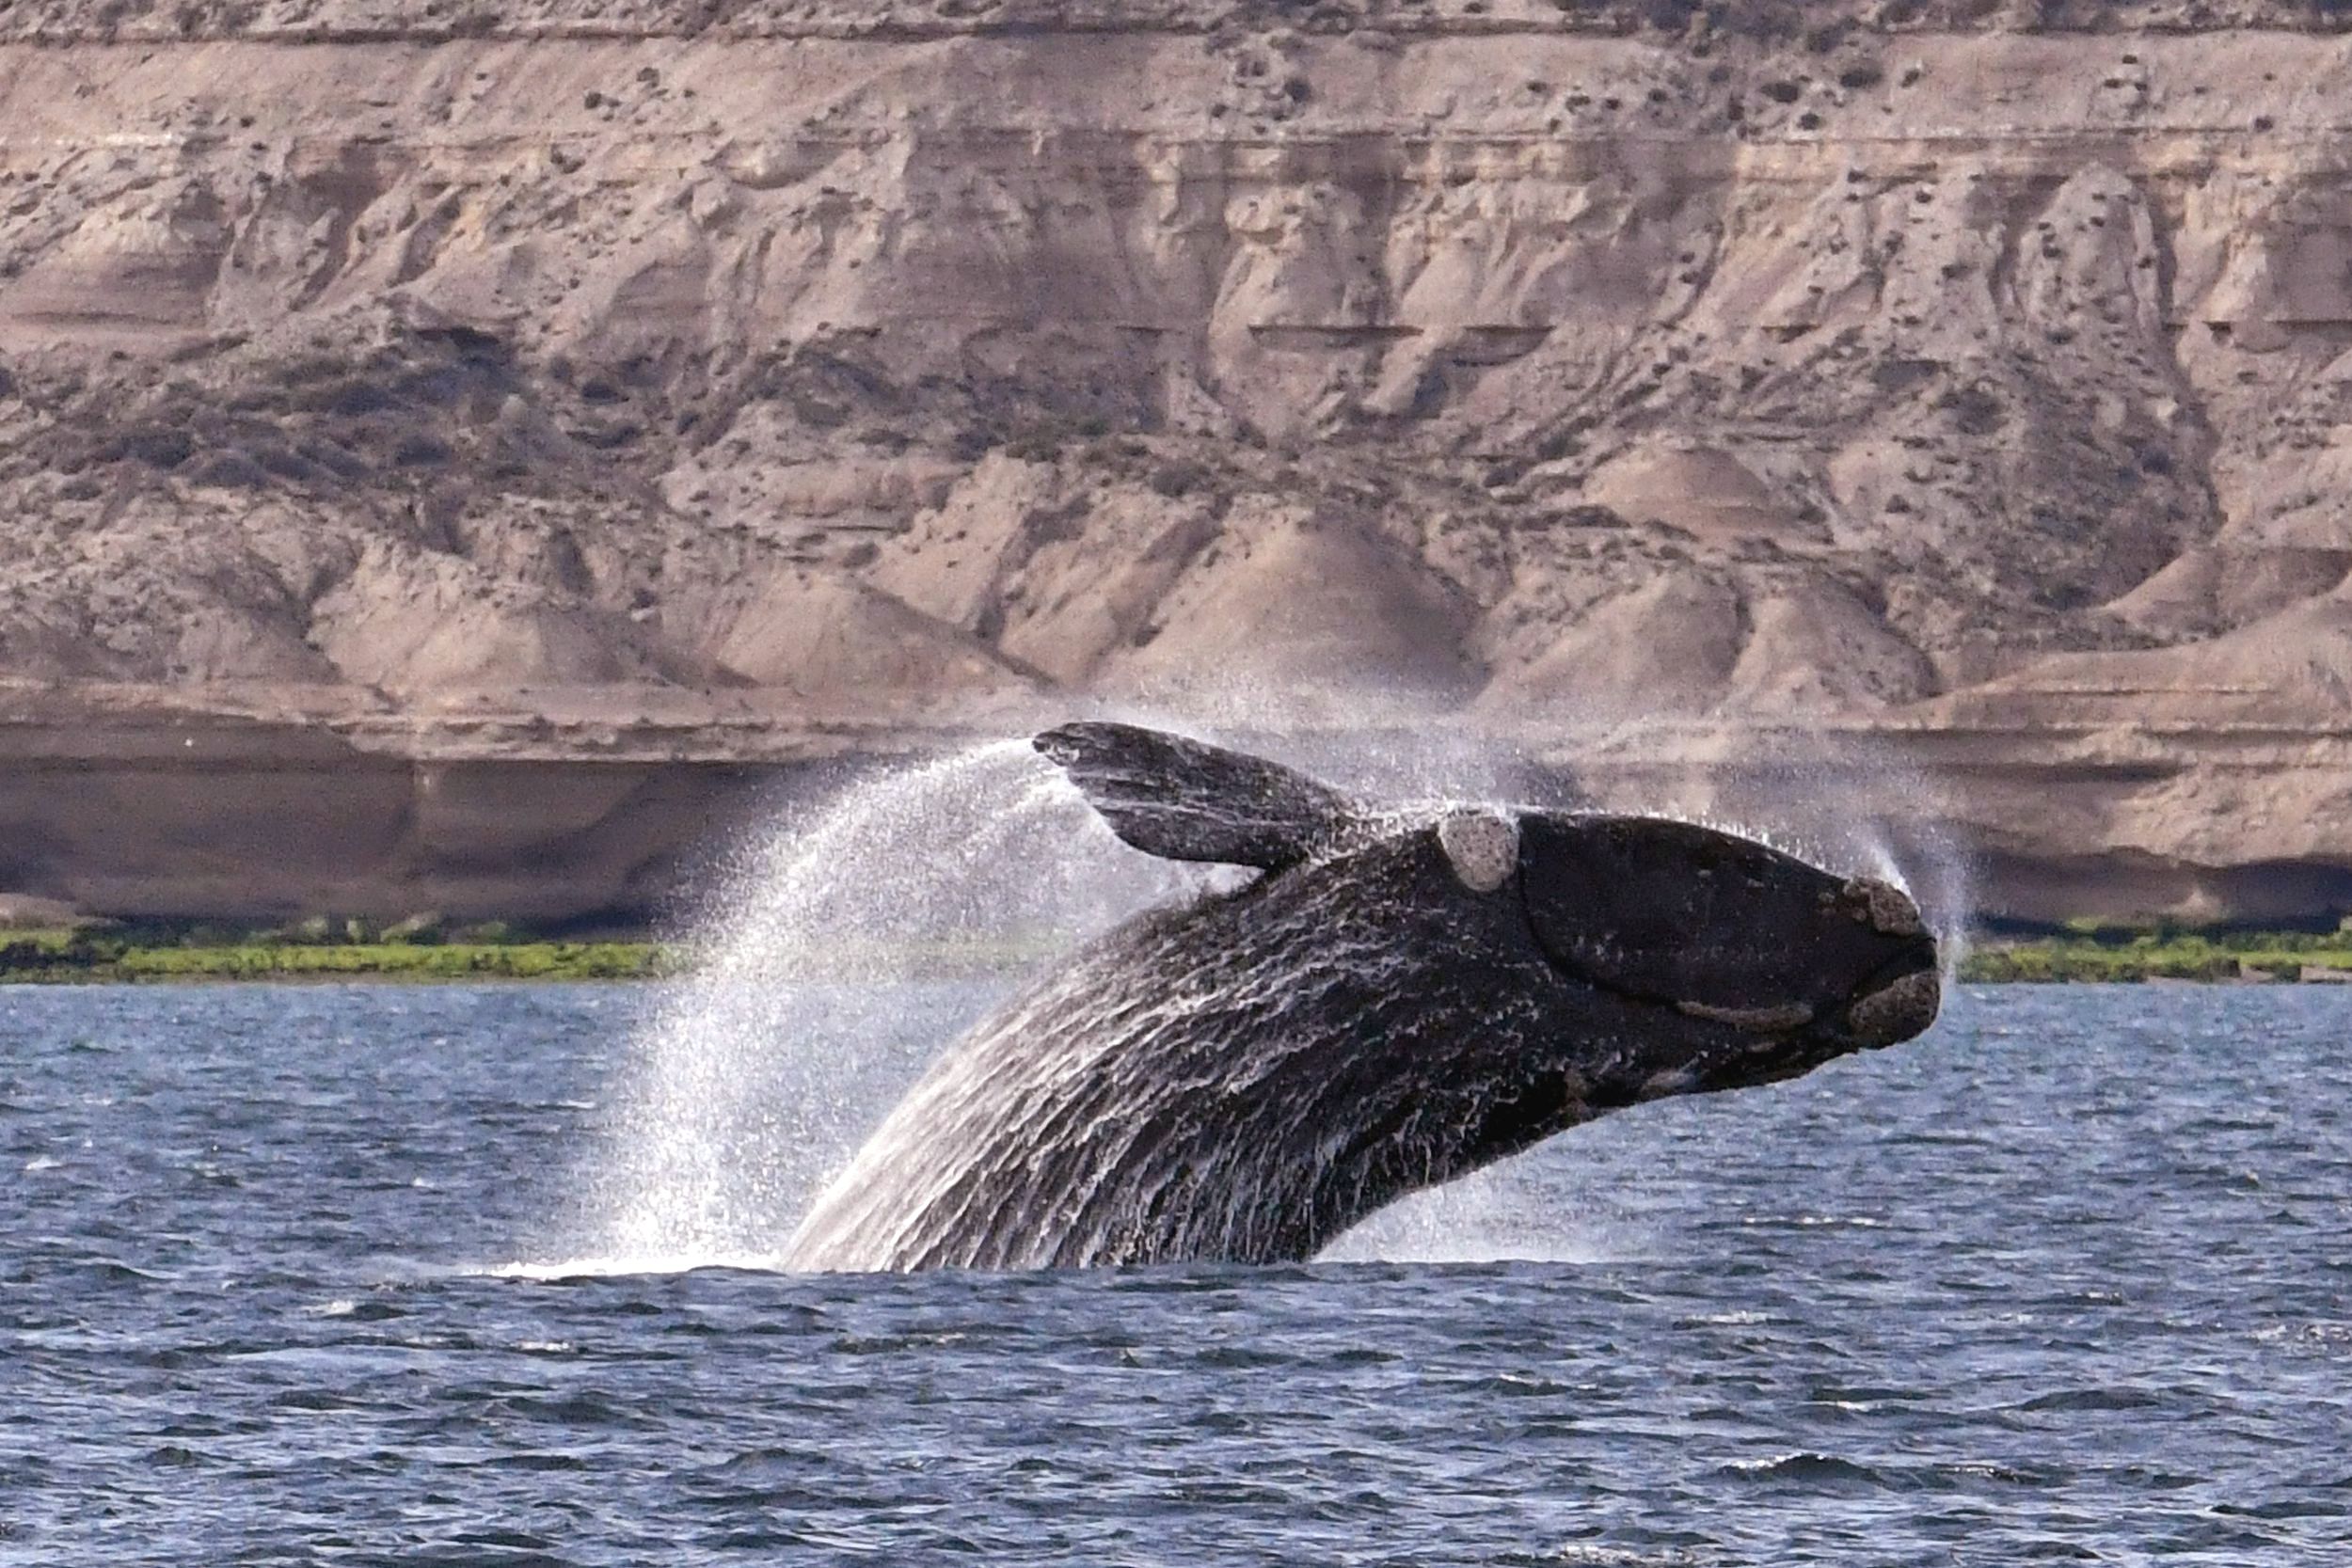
(2006, 1295)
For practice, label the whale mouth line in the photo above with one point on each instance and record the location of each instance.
(1874, 1013)
(1895, 1003)
(1871, 1010)
(1777, 1020)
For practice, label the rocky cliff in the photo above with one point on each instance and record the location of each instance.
(479, 449)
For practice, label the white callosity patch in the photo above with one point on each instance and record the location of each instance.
(1482, 847)
(1887, 907)
(1896, 1011)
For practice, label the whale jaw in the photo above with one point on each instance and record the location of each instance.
(1899, 1010)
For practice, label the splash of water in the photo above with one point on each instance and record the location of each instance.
(1498, 1214)
(1858, 808)
(1848, 801)
(844, 950)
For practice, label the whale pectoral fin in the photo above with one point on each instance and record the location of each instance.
(1187, 801)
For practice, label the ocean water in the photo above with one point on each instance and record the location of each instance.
(292, 1276)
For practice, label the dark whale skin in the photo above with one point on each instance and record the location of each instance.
(1245, 1077)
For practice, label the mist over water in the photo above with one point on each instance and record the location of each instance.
(759, 1077)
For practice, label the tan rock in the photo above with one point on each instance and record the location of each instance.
(570, 382)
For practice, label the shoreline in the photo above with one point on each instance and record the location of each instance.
(88, 957)
(43, 959)
(84, 956)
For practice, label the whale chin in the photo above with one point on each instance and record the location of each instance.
(1900, 1010)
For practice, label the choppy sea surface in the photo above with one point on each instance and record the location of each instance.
(2069, 1279)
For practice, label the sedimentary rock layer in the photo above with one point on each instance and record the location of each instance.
(1962, 383)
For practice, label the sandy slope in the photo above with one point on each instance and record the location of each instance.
(600, 386)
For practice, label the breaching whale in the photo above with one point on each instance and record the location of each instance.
(1395, 1000)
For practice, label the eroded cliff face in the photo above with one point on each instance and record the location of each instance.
(1964, 386)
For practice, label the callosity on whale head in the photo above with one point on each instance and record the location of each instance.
(1400, 998)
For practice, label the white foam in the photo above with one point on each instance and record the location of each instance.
(631, 1265)
(1502, 1215)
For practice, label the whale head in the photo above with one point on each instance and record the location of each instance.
(1723, 962)
(1751, 963)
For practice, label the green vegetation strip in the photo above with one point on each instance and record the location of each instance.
(2126, 956)
(100, 955)
(94, 955)
(60, 957)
